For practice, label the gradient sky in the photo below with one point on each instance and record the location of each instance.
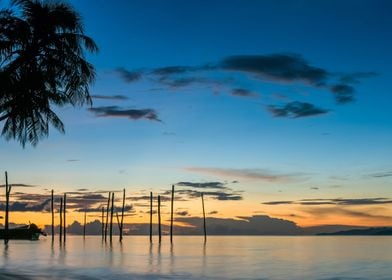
(280, 108)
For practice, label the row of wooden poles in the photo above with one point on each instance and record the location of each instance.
(107, 225)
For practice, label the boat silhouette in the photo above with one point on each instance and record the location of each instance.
(27, 232)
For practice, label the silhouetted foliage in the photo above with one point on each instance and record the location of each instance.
(42, 63)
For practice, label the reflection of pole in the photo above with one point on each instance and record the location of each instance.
(107, 217)
(64, 214)
(150, 216)
(84, 225)
(111, 218)
(171, 215)
(204, 218)
(7, 203)
(103, 223)
(52, 208)
(61, 219)
(159, 218)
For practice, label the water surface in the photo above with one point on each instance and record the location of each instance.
(222, 257)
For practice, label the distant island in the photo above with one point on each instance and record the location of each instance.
(368, 231)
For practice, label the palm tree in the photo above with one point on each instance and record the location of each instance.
(42, 64)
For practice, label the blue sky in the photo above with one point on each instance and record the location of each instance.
(226, 123)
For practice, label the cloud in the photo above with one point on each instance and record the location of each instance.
(213, 212)
(182, 213)
(209, 185)
(128, 76)
(326, 211)
(356, 77)
(343, 93)
(26, 207)
(133, 114)
(281, 67)
(170, 70)
(381, 174)
(251, 174)
(242, 92)
(19, 185)
(217, 195)
(296, 109)
(118, 209)
(336, 201)
(110, 97)
(73, 160)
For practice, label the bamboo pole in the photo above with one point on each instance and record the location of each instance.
(107, 216)
(150, 216)
(204, 218)
(122, 216)
(159, 219)
(171, 215)
(84, 225)
(52, 209)
(103, 223)
(7, 202)
(64, 217)
(61, 219)
(111, 218)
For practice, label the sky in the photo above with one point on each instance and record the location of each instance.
(277, 108)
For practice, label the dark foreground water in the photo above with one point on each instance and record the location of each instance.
(262, 257)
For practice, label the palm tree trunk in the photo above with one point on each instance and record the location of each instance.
(171, 215)
(64, 216)
(61, 219)
(159, 219)
(150, 216)
(52, 209)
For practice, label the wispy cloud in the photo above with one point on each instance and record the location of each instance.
(110, 97)
(296, 109)
(19, 185)
(250, 174)
(204, 185)
(335, 201)
(133, 114)
(241, 92)
(128, 76)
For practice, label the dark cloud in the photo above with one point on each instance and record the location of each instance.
(381, 174)
(336, 201)
(170, 70)
(26, 207)
(326, 211)
(296, 109)
(182, 213)
(72, 160)
(282, 67)
(314, 188)
(242, 92)
(217, 195)
(133, 114)
(128, 76)
(343, 93)
(206, 185)
(355, 78)
(213, 213)
(20, 185)
(118, 209)
(110, 97)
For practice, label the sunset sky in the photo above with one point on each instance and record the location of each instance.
(278, 108)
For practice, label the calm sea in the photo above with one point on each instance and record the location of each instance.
(223, 257)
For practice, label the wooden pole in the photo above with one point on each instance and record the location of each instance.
(84, 225)
(122, 216)
(64, 217)
(52, 209)
(7, 202)
(159, 219)
(171, 215)
(204, 218)
(103, 223)
(61, 219)
(107, 216)
(111, 218)
(150, 216)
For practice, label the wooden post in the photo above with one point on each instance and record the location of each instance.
(204, 218)
(107, 216)
(171, 215)
(150, 216)
(159, 219)
(111, 218)
(52, 209)
(61, 219)
(84, 225)
(7, 203)
(103, 223)
(122, 216)
(64, 217)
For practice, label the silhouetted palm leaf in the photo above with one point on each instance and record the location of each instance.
(42, 64)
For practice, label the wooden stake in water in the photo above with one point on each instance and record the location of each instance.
(52, 209)
(64, 217)
(84, 225)
(150, 216)
(171, 215)
(7, 202)
(111, 218)
(61, 219)
(107, 216)
(159, 219)
(103, 223)
(204, 218)
(122, 216)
